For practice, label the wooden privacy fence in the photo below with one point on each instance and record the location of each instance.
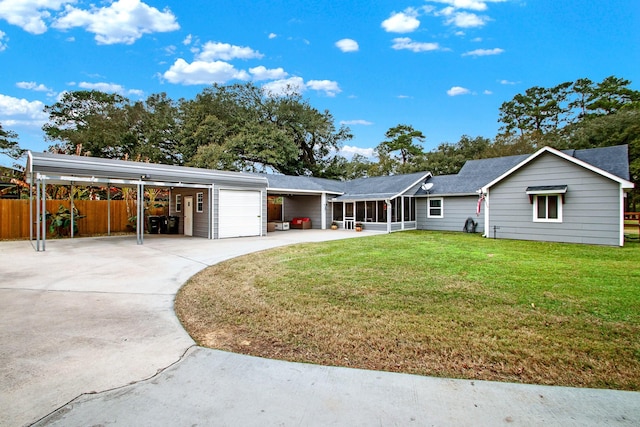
(14, 216)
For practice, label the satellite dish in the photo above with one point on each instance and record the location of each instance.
(427, 186)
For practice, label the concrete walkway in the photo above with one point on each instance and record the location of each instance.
(89, 337)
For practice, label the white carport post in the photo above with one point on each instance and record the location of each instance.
(71, 207)
(37, 215)
(323, 211)
(109, 208)
(140, 213)
(211, 233)
(42, 213)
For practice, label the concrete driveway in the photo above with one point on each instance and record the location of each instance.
(89, 337)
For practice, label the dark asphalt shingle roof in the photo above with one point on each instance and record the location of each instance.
(477, 173)
(614, 160)
(381, 187)
(304, 183)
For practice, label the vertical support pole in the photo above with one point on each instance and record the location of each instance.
(31, 208)
(37, 215)
(71, 209)
(43, 221)
(323, 211)
(210, 195)
(109, 209)
(140, 213)
(389, 207)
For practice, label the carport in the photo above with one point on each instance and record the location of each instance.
(61, 169)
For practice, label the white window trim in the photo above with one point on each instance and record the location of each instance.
(178, 202)
(535, 208)
(441, 207)
(200, 202)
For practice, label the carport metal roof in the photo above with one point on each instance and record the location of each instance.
(65, 169)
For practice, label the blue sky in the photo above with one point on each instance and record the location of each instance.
(443, 66)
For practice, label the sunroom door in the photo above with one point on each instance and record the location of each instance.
(349, 215)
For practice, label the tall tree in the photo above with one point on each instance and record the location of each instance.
(547, 110)
(9, 144)
(241, 127)
(88, 122)
(449, 158)
(610, 95)
(400, 139)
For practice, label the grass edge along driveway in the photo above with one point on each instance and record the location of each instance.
(430, 303)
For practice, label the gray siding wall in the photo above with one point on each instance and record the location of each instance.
(304, 206)
(591, 212)
(200, 219)
(456, 211)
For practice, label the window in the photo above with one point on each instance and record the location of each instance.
(178, 202)
(547, 202)
(435, 208)
(200, 202)
(547, 208)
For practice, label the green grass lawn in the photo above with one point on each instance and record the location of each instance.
(431, 303)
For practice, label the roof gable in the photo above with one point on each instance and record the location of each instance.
(382, 187)
(613, 160)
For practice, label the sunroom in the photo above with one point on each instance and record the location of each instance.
(379, 203)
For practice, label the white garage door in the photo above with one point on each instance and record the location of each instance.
(240, 213)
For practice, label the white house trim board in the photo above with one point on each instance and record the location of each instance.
(424, 177)
(621, 216)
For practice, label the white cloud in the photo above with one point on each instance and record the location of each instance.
(487, 92)
(458, 90)
(35, 87)
(356, 122)
(21, 111)
(477, 5)
(347, 45)
(465, 4)
(349, 151)
(32, 86)
(187, 40)
(466, 20)
(285, 86)
(272, 35)
(329, 87)
(225, 51)
(123, 21)
(262, 73)
(30, 15)
(110, 88)
(402, 22)
(296, 84)
(484, 52)
(203, 73)
(507, 82)
(408, 44)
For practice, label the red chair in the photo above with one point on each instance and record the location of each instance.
(301, 223)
